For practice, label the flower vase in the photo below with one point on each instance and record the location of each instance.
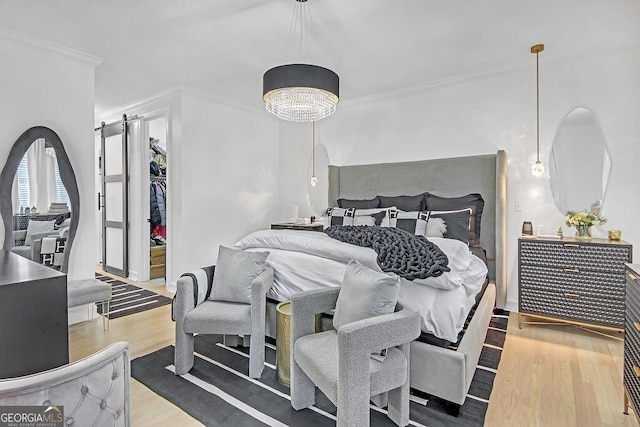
(583, 232)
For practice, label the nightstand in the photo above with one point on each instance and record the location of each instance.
(571, 281)
(296, 226)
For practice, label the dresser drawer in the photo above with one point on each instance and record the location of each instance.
(632, 382)
(597, 284)
(578, 307)
(575, 255)
(632, 343)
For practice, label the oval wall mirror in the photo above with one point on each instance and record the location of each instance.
(39, 199)
(579, 164)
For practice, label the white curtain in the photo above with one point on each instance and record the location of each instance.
(41, 176)
(15, 199)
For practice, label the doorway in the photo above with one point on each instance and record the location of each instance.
(157, 218)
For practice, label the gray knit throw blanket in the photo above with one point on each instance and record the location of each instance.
(409, 256)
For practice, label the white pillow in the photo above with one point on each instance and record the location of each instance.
(385, 219)
(37, 227)
(341, 216)
(414, 222)
(365, 293)
(436, 227)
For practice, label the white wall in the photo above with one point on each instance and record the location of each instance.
(482, 115)
(230, 164)
(40, 86)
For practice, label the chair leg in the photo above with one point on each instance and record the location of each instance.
(183, 360)
(353, 409)
(398, 409)
(303, 390)
(256, 356)
(380, 400)
(105, 315)
(399, 405)
(231, 340)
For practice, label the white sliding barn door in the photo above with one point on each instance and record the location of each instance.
(114, 200)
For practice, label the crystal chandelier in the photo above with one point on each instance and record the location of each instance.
(301, 92)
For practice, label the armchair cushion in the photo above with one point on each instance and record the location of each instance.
(318, 355)
(365, 293)
(211, 317)
(235, 271)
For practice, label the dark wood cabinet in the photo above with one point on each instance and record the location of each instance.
(33, 317)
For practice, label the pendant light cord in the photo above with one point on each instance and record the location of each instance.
(313, 148)
(537, 108)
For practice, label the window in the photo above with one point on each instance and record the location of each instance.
(23, 183)
(61, 192)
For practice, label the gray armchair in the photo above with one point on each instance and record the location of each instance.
(94, 391)
(340, 364)
(218, 317)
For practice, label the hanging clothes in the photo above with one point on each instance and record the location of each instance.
(161, 199)
(156, 218)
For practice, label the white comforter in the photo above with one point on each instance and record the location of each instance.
(304, 260)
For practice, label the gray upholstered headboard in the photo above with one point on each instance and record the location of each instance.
(485, 174)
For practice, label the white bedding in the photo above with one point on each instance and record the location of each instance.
(304, 260)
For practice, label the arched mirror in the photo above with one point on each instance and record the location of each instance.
(580, 164)
(39, 199)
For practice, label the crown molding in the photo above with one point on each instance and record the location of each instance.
(133, 107)
(49, 47)
(632, 43)
(210, 96)
(136, 106)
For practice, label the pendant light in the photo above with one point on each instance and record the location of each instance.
(537, 169)
(300, 92)
(314, 180)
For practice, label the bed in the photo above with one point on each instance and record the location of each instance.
(435, 370)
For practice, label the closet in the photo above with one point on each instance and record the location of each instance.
(158, 198)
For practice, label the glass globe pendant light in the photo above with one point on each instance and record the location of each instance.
(537, 169)
(300, 92)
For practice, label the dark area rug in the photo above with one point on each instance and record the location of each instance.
(129, 299)
(218, 391)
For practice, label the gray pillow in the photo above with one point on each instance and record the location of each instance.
(359, 204)
(235, 270)
(473, 201)
(365, 293)
(458, 223)
(404, 203)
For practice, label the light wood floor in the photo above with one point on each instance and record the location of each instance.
(548, 376)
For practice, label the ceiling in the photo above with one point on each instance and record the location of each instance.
(224, 46)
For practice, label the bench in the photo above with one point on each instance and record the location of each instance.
(87, 291)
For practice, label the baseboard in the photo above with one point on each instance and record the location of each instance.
(172, 287)
(512, 305)
(133, 275)
(82, 314)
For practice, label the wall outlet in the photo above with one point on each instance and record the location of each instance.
(518, 206)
